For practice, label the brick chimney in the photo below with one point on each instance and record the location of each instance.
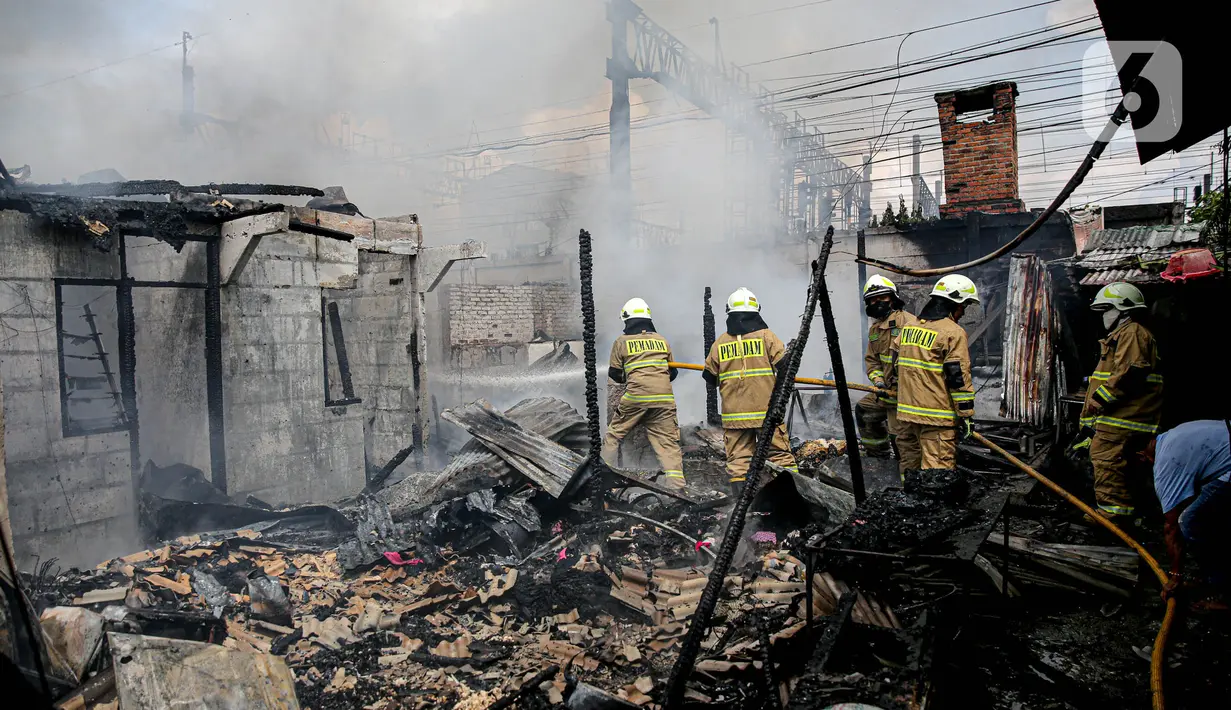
(978, 130)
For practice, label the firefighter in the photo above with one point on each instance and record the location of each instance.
(877, 412)
(936, 398)
(743, 362)
(1124, 398)
(639, 360)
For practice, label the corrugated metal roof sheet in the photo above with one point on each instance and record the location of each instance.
(1135, 254)
(1106, 276)
(1152, 237)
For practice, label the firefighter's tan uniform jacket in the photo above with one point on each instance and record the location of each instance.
(1127, 384)
(934, 389)
(744, 367)
(878, 362)
(927, 395)
(647, 401)
(643, 358)
(1124, 402)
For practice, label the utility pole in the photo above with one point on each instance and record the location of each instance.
(916, 179)
(619, 66)
(189, 106)
(719, 60)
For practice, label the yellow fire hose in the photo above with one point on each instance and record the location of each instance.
(800, 380)
(1160, 642)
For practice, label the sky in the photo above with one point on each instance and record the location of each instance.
(374, 95)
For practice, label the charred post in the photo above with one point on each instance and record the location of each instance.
(712, 417)
(585, 260)
(839, 376)
(784, 385)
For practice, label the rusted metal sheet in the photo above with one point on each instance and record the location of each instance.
(155, 673)
(1034, 375)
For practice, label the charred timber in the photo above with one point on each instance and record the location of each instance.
(712, 416)
(783, 387)
(132, 188)
(839, 375)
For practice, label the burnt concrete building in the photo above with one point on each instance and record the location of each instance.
(279, 349)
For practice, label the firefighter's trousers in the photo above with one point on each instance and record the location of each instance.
(661, 428)
(872, 415)
(1113, 454)
(741, 443)
(922, 446)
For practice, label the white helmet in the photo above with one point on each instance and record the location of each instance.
(743, 301)
(956, 288)
(1120, 296)
(877, 285)
(635, 308)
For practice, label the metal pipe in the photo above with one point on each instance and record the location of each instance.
(800, 380)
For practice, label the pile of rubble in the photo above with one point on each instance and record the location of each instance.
(454, 592)
(498, 581)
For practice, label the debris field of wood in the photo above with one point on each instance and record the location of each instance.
(456, 592)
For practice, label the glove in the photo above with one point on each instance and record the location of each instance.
(879, 382)
(964, 428)
(1082, 442)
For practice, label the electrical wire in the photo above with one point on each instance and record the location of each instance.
(895, 36)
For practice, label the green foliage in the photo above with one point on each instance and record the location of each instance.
(1209, 210)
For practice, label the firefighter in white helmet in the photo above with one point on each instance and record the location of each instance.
(876, 413)
(639, 360)
(743, 362)
(1124, 397)
(936, 398)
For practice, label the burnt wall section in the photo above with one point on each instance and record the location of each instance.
(489, 325)
(378, 344)
(978, 131)
(69, 497)
(283, 443)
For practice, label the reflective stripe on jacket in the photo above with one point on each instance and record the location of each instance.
(878, 361)
(644, 358)
(1127, 384)
(924, 396)
(744, 366)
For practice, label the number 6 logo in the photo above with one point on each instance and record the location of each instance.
(1151, 73)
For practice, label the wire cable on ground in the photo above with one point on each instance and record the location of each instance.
(1118, 117)
(1158, 655)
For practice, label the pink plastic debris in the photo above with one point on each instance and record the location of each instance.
(557, 528)
(701, 544)
(563, 554)
(396, 558)
(764, 536)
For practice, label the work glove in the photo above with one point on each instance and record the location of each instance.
(879, 382)
(964, 428)
(1082, 442)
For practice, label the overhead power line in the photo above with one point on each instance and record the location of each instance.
(897, 35)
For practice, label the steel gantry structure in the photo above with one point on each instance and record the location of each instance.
(798, 185)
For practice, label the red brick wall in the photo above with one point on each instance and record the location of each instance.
(980, 156)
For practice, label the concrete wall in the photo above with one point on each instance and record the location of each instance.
(170, 353)
(69, 498)
(378, 343)
(283, 444)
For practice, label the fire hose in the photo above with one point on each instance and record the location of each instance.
(1158, 654)
(798, 380)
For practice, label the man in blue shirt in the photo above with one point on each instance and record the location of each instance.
(1192, 470)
